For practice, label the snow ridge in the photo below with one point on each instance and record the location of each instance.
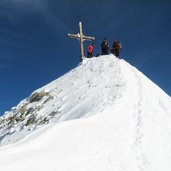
(117, 119)
(82, 92)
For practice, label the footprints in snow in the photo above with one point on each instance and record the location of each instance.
(142, 161)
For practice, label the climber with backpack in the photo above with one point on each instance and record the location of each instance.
(116, 48)
(90, 49)
(105, 46)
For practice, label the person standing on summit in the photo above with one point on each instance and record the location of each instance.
(90, 49)
(116, 48)
(105, 47)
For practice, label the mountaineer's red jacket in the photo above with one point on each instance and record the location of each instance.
(90, 49)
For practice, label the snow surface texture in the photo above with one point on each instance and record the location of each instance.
(124, 123)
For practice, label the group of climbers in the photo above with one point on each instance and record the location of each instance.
(105, 48)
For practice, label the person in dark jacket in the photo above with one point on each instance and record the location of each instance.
(105, 47)
(90, 49)
(116, 48)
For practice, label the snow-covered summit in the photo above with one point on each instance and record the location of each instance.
(86, 90)
(124, 122)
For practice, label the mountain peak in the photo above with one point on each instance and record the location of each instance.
(124, 121)
(84, 91)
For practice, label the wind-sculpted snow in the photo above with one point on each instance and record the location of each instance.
(103, 115)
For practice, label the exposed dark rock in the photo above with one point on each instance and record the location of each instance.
(29, 111)
(31, 120)
(49, 98)
(22, 109)
(37, 96)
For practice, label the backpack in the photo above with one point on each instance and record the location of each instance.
(117, 45)
(105, 45)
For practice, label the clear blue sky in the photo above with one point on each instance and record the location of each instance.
(35, 50)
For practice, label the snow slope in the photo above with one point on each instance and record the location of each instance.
(124, 123)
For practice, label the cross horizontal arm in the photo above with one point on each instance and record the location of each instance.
(88, 38)
(74, 35)
(78, 36)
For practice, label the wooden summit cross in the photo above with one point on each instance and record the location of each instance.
(80, 36)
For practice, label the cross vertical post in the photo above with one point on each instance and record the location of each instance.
(81, 41)
(80, 36)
